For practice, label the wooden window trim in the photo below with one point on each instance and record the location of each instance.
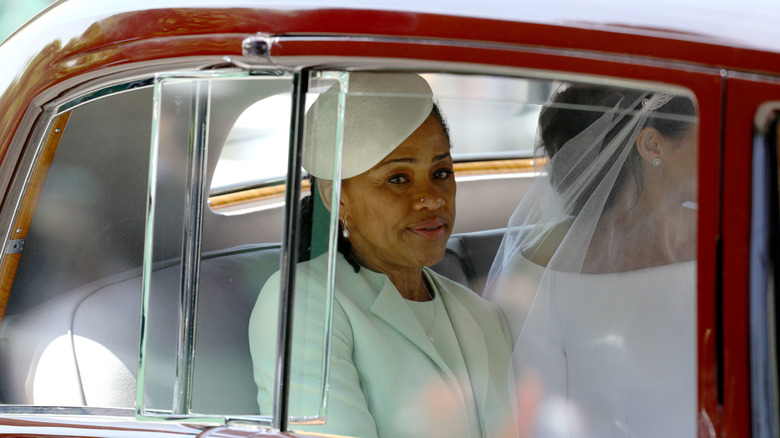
(471, 168)
(23, 219)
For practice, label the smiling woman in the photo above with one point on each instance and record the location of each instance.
(402, 334)
(400, 212)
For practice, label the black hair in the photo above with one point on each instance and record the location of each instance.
(579, 106)
(307, 217)
(306, 224)
(436, 111)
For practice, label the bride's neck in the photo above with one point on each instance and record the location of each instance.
(653, 230)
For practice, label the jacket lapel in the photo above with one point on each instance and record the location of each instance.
(391, 308)
(473, 345)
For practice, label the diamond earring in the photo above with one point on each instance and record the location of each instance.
(656, 162)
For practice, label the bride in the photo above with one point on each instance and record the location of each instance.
(596, 273)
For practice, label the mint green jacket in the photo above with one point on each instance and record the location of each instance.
(385, 378)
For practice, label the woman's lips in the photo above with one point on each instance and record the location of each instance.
(430, 229)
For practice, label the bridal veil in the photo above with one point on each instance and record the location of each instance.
(596, 271)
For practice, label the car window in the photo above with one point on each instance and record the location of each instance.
(330, 275)
(196, 221)
(65, 340)
(215, 285)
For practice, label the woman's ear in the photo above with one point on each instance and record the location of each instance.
(648, 144)
(326, 194)
(325, 186)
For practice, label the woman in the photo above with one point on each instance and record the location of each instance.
(596, 273)
(412, 353)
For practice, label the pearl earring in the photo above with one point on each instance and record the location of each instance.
(656, 162)
(345, 230)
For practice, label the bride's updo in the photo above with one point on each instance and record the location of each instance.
(575, 109)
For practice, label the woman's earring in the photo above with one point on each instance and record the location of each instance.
(344, 230)
(656, 162)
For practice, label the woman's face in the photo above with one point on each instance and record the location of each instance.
(400, 213)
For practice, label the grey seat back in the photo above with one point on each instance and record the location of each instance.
(81, 348)
(469, 257)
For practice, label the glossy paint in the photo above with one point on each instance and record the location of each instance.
(730, 60)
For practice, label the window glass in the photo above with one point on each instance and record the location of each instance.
(490, 117)
(70, 333)
(309, 401)
(255, 151)
(252, 164)
(198, 303)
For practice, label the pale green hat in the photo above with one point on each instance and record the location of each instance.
(381, 111)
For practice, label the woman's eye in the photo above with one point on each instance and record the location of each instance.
(443, 173)
(398, 179)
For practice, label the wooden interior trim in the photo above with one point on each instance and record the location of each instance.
(251, 195)
(493, 167)
(470, 168)
(10, 262)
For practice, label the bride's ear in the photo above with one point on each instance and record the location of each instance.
(648, 144)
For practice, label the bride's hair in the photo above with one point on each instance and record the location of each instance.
(575, 108)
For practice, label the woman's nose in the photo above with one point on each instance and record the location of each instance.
(430, 201)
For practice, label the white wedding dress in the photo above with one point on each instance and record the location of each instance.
(615, 353)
